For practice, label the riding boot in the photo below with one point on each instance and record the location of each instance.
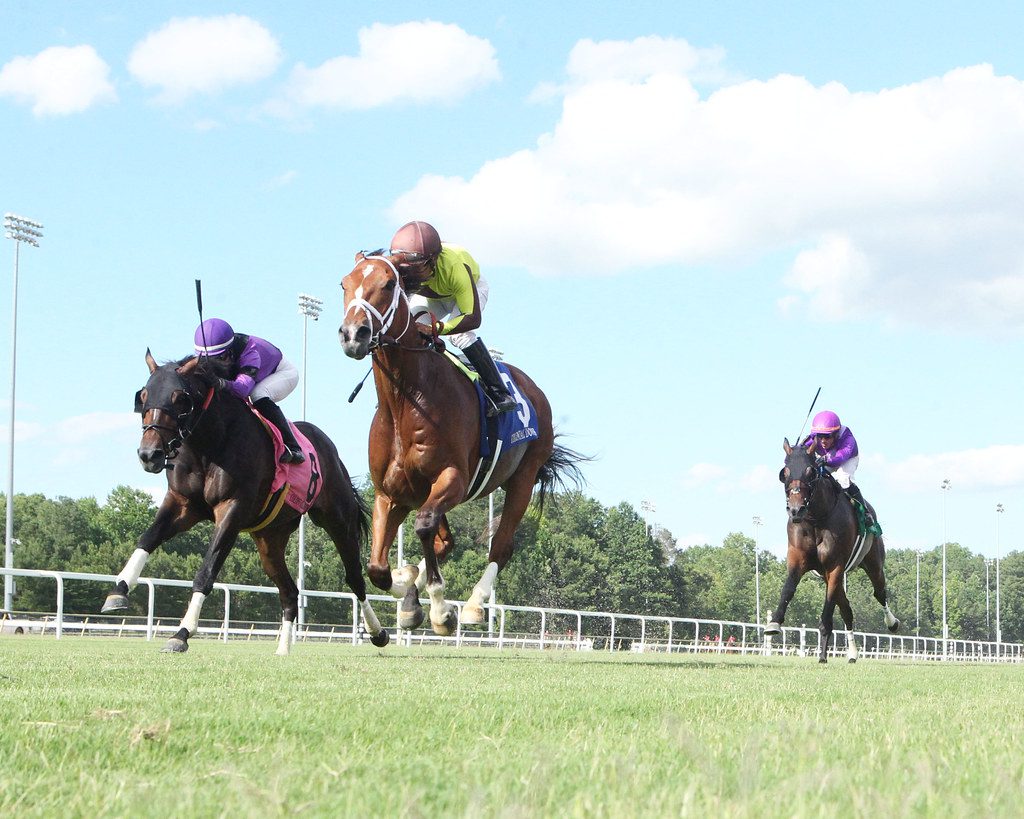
(481, 360)
(272, 412)
(854, 492)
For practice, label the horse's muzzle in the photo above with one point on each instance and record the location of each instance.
(153, 459)
(355, 340)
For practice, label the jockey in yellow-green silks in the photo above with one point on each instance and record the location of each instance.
(444, 280)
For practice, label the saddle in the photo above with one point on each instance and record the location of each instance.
(499, 432)
(294, 485)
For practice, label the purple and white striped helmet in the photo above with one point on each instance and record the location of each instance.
(213, 337)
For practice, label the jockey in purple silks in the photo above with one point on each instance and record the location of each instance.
(836, 447)
(261, 373)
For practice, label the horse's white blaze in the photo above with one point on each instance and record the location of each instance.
(890, 618)
(133, 568)
(370, 618)
(191, 619)
(851, 646)
(284, 638)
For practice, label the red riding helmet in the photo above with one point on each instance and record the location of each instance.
(417, 237)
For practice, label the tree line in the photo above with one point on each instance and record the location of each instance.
(578, 555)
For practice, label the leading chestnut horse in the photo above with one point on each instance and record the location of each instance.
(424, 446)
(822, 533)
(220, 464)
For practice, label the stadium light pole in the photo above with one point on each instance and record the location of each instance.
(309, 308)
(649, 509)
(945, 624)
(988, 618)
(757, 574)
(20, 230)
(917, 607)
(999, 624)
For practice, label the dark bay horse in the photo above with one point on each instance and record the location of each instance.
(822, 532)
(220, 464)
(425, 442)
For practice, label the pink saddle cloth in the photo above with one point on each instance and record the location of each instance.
(304, 480)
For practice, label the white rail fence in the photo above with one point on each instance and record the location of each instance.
(509, 627)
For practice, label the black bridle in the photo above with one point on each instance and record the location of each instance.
(801, 485)
(185, 422)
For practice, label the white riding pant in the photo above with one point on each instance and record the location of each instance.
(447, 308)
(844, 473)
(278, 385)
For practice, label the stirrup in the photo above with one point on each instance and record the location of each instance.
(291, 456)
(500, 405)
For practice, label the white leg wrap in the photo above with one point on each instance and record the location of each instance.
(284, 639)
(133, 568)
(851, 646)
(370, 617)
(890, 618)
(482, 590)
(421, 578)
(191, 619)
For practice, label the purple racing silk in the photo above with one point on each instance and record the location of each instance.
(844, 448)
(260, 355)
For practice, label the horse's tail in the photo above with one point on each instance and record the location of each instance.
(362, 516)
(560, 470)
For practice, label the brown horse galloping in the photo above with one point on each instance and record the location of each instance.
(221, 463)
(822, 532)
(425, 442)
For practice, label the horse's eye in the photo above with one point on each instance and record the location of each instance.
(390, 286)
(180, 399)
(809, 471)
(785, 471)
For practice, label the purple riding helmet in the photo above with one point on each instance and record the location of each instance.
(213, 337)
(825, 423)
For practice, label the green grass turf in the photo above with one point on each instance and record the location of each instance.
(101, 727)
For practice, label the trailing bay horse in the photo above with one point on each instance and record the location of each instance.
(220, 463)
(425, 446)
(822, 532)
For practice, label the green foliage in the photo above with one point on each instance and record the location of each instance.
(578, 555)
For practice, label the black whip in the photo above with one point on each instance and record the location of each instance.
(815, 401)
(359, 386)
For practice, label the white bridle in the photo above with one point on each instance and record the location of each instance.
(388, 316)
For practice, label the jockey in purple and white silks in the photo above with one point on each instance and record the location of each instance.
(836, 447)
(261, 373)
(445, 281)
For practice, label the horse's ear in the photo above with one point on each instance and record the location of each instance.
(150, 362)
(360, 256)
(810, 446)
(189, 366)
(785, 446)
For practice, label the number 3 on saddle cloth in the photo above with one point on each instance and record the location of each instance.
(500, 432)
(297, 485)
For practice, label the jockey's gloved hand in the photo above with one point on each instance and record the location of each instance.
(220, 383)
(821, 460)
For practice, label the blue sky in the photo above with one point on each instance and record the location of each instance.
(691, 216)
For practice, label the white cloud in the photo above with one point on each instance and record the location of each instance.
(994, 467)
(204, 55)
(96, 424)
(901, 204)
(704, 474)
(281, 180)
(417, 62)
(760, 479)
(58, 81)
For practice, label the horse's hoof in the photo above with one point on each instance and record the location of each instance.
(772, 629)
(410, 619)
(404, 579)
(447, 626)
(472, 615)
(115, 602)
(853, 660)
(175, 646)
(895, 627)
(822, 661)
(381, 638)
